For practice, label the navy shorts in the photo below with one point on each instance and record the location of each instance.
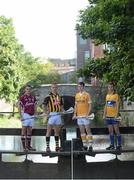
(111, 121)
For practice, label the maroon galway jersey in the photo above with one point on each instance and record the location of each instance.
(28, 104)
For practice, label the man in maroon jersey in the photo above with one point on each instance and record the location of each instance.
(27, 108)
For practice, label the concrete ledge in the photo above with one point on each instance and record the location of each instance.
(42, 131)
(67, 153)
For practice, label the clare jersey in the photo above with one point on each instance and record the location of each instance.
(53, 102)
(27, 103)
(82, 101)
(111, 105)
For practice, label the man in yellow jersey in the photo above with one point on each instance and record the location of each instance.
(111, 113)
(52, 105)
(81, 111)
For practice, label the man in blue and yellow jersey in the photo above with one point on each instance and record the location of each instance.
(52, 105)
(81, 112)
(111, 113)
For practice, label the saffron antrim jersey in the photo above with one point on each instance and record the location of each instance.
(28, 104)
(111, 105)
(82, 101)
(53, 102)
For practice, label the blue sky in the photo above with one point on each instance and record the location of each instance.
(45, 27)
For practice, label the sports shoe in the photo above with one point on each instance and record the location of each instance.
(84, 148)
(25, 149)
(48, 150)
(111, 147)
(90, 148)
(118, 147)
(57, 149)
(30, 148)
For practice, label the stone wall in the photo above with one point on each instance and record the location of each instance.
(69, 90)
(128, 117)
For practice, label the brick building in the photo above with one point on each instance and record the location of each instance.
(86, 49)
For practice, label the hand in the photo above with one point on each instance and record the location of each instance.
(118, 118)
(74, 117)
(21, 117)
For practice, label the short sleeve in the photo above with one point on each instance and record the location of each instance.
(21, 100)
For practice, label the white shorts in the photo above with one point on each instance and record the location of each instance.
(54, 119)
(27, 122)
(83, 121)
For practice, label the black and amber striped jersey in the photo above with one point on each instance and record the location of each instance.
(53, 102)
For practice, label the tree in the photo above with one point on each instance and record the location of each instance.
(9, 50)
(43, 74)
(111, 22)
(18, 67)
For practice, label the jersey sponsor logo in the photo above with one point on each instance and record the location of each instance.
(110, 103)
(29, 103)
(56, 102)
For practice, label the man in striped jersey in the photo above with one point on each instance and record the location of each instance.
(52, 105)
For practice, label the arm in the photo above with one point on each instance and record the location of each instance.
(19, 108)
(45, 106)
(89, 104)
(35, 109)
(62, 104)
(105, 108)
(45, 109)
(117, 106)
(75, 111)
(105, 111)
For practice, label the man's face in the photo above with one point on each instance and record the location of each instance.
(80, 87)
(27, 90)
(54, 88)
(110, 88)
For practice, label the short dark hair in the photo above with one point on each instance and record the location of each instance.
(28, 85)
(82, 83)
(53, 83)
(111, 83)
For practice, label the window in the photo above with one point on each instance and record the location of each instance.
(86, 55)
(82, 41)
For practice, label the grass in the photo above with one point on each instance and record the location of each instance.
(9, 122)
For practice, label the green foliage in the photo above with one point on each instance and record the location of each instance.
(73, 78)
(9, 74)
(8, 122)
(111, 22)
(35, 73)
